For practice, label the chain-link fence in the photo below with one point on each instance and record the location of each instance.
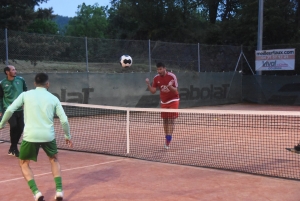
(30, 52)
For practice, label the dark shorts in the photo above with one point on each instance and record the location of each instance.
(170, 115)
(30, 150)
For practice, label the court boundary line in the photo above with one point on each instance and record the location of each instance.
(65, 170)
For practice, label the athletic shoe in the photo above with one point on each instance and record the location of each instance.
(59, 196)
(13, 152)
(38, 197)
(167, 147)
(10, 152)
(16, 153)
(297, 148)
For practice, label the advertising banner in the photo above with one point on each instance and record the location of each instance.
(278, 59)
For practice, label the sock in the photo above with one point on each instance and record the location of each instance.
(33, 187)
(168, 139)
(58, 184)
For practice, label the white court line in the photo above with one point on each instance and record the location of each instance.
(238, 142)
(37, 175)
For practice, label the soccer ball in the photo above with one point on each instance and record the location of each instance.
(126, 61)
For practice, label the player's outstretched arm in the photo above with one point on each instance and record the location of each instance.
(64, 123)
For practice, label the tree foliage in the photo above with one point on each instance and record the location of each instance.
(17, 15)
(43, 26)
(205, 21)
(89, 22)
(62, 22)
(43, 23)
(166, 20)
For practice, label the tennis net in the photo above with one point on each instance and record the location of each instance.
(244, 141)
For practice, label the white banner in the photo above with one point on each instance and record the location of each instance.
(279, 59)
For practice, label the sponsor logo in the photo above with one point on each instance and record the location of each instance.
(287, 95)
(269, 64)
(164, 88)
(204, 93)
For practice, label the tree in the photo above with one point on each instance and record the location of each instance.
(278, 23)
(43, 26)
(16, 15)
(168, 20)
(62, 22)
(43, 23)
(90, 22)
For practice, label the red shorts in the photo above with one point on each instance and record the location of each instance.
(170, 115)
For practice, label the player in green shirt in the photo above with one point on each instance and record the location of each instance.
(10, 88)
(40, 106)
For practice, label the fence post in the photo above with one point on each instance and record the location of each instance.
(6, 46)
(149, 50)
(198, 57)
(86, 55)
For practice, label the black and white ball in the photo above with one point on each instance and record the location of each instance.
(125, 61)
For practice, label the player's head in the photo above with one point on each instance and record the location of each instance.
(10, 71)
(41, 80)
(161, 68)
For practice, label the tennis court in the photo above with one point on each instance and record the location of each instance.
(221, 142)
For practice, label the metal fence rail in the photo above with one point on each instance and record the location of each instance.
(31, 52)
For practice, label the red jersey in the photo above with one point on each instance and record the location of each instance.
(161, 82)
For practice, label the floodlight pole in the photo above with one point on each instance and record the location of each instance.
(260, 28)
(149, 52)
(6, 47)
(86, 55)
(198, 57)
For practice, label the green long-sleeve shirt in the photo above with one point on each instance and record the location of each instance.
(10, 90)
(40, 106)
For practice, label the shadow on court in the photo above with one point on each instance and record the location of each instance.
(101, 177)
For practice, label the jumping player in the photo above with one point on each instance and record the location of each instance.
(167, 83)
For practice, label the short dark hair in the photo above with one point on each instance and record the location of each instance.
(41, 79)
(160, 64)
(6, 69)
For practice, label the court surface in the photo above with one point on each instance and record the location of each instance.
(89, 176)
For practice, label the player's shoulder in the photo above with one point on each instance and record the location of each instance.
(171, 74)
(53, 97)
(46, 94)
(19, 78)
(3, 80)
(156, 76)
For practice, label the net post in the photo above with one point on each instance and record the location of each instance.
(127, 129)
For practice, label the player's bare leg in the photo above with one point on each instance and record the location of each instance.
(168, 128)
(28, 175)
(56, 172)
